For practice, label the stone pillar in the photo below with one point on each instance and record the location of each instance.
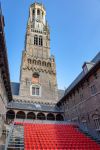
(31, 17)
(35, 17)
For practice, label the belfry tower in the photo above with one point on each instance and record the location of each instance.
(38, 70)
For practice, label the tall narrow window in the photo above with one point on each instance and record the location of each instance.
(43, 63)
(40, 41)
(33, 90)
(34, 62)
(37, 90)
(35, 40)
(38, 62)
(33, 11)
(38, 12)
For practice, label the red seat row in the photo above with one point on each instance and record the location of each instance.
(56, 137)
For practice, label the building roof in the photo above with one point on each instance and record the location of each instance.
(95, 60)
(33, 107)
(15, 88)
(81, 75)
(60, 93)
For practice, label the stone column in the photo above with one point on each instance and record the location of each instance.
(35, 17)
(31, 18)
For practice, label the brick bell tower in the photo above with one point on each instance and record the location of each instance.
(38, 69)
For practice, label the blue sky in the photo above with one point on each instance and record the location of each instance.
(75, 34)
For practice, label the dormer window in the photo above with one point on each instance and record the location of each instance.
(87, 66)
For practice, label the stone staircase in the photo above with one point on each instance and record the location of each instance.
(15, 140)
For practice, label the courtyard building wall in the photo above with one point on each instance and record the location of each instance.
(5, 89)
(81, 102)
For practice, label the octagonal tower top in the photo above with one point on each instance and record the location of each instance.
(37, 13)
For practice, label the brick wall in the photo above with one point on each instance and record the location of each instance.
(83, 104)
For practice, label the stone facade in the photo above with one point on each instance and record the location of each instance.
(3, 96)
(5, 89)
(38, 69)
(81, 102)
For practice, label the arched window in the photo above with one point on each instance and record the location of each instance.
(35, 40)
(31, 115)
(48, 64)
(50, 116)
(40, 41)
(35, 78)
(38, 12)
(39, 62)
(59, 117)
(33, 11)
(43, 63)
(10, 114)
(36, 74)
(41, 116)
(29, 61)
(34, 62)
(20, 115)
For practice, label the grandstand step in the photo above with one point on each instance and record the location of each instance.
(56, 137)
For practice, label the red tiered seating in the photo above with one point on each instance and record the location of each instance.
(56, 137)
